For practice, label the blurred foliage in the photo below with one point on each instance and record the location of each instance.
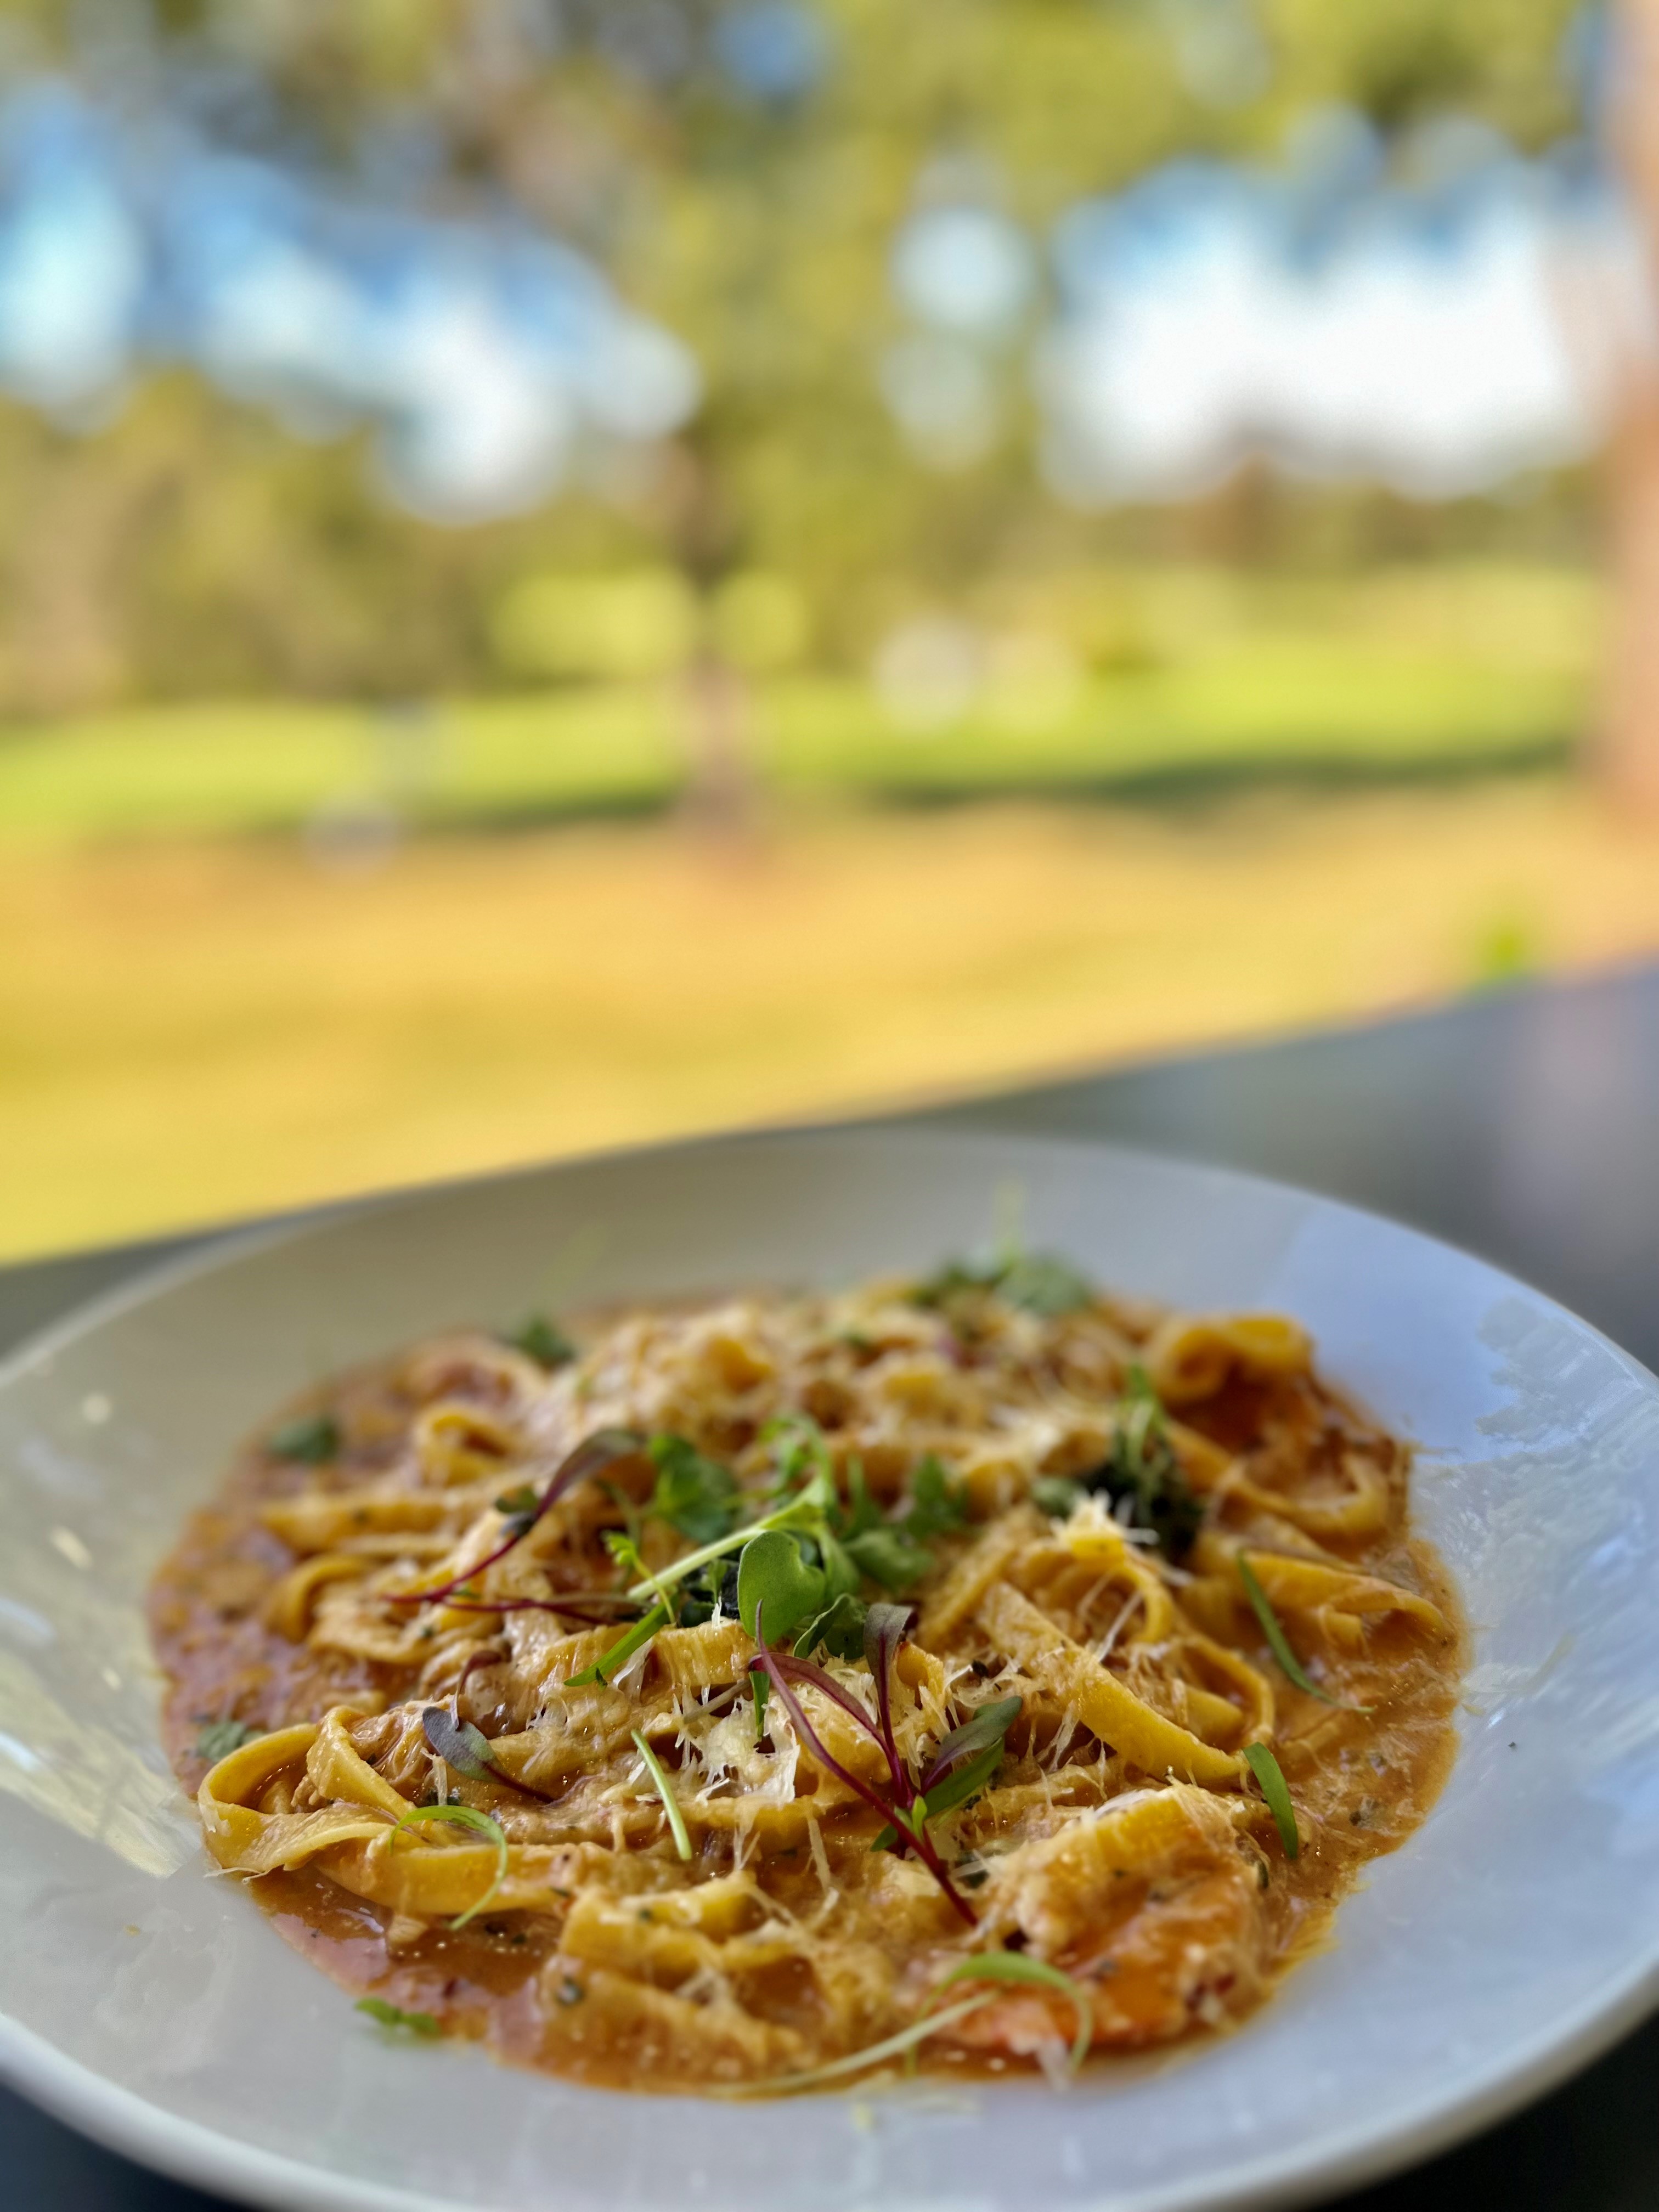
(192, 548)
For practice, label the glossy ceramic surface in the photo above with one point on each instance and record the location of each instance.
(1514, 1936)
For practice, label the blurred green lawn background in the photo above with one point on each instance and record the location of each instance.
(1219, 680)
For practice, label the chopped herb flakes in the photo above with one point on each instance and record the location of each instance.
(394, 2016)
(217, 1739)
(312, 1441)
(539, 1340)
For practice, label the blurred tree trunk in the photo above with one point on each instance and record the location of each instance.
(1627, 746)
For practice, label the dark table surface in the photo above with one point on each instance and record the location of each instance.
(1523, 1125)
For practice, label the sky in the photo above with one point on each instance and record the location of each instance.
(1438, 333)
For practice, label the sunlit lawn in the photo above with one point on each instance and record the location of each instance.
(1202, 681)
(193, 1029)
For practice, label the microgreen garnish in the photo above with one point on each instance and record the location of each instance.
(1142, 1474)
(312, 1440)
(697, 1496)
(1017, 1967)
(1265, 1767)
(856, 2062)
(937, 1504)
(965, 1763)
(664, 1790)
(1280, 1644)
(458, 1743)
(887, 1556)
(539, 1340)
(609, 1664)
(901, 1806)
(1037, 1281)
(1058, 1495)
(838, 1630)
(217, 1739)
(603, 1449)
(807, 1510)
(462, 1816)
(392, 2015)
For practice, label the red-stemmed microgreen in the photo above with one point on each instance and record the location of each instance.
(467, 1749)
(522, 1509)
(786, 1673)
(964, 1764)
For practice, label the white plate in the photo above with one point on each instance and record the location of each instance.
(1511, 1940)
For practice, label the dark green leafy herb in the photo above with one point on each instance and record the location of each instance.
(694, 1495)
(771, 1572)
(312, 1440)
(458, 1743)
(715, 1583)
(392, 2015)
(1280, 1644)
(539, 1340)
(1143, 1472)
(1266, 1769)
(217, 1739)
(838, 1630)
(1019, 1967)
(887, 1557)
(1057, 1495)
(664, 1790)
(938, 1506)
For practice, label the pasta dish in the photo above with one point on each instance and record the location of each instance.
(973, 1673)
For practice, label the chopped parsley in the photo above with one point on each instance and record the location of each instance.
(394, 2016)
(217, 1739)
(539, 1340)
(311, 1440)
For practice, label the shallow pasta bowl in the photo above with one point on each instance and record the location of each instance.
(1511, 1940)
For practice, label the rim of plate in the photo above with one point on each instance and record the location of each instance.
(1339, 2157)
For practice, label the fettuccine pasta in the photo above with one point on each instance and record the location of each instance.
(973, 1672)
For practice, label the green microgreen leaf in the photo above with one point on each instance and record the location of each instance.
(1057, 1495)
(464, 1816)
(1045, 1286)
(311, 1440)
(624, 1549)
(458, 1743)
(609, 1664)
(1265, 1767)
(394, 2016)
(838, 1630)
(937, 1504)
(217, 1739)
(1037, 1281)
(539, 1340)
(694, 1495)
(771, 1572)
(887, 1557)
(664, 1790)
(1280, 1644)
(1019, 1967)
(856, 2062)
(983, 1730)
(808, 1509)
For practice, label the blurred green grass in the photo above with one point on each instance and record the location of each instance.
(1224, 680)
